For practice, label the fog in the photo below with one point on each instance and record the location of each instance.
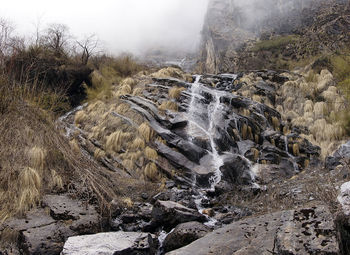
(121, 25)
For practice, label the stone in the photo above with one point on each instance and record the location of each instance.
(46, 239)
(293, 232)
(169, 214)
(44, 231)
(235, 170)
(184, 234)
(113, 243)
(344, 198)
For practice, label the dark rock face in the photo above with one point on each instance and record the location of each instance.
(41, 233)
(217, 134)
(184, 234)
(169, 214)
(272, 233)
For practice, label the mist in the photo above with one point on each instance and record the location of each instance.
(133, 26)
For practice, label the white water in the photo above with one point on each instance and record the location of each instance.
(295, 165)
(199, 127)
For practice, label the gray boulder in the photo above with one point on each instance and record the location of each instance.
(184, 234)
(113, 243)
(169, 214)
(294, 232)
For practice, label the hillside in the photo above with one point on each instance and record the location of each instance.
(246, 155)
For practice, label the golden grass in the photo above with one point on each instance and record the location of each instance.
(137, 92)
(101, 88)
(146, 131)
(169, 72)
(138, 143)
(37, 158)
(320, 110)
(115, 141)
(99, 154)
(275, 123)
(175, 92)
(168, 105)
(74, 145)
(308, 106)
(128, 164)
(30, 183)
(80, 117)
(151, 172)
(123, 108)
(244, 131)
(150, 153)
(296, 151)
(56, 180)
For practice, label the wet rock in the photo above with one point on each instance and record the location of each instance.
(169, 214)
(184, 234)
(296, 232)
(113, 243)
(236, 170)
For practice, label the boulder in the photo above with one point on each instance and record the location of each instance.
(294, 232)
(236, 169)
(113, 243)
(184, 234)
(344, 198)
(169, 214)
(43, 233)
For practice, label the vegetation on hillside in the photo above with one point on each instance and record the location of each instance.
(40, 80)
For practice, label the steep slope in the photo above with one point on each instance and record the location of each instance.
(232, 29)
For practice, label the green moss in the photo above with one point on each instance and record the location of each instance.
(275, 43)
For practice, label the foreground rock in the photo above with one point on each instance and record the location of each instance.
(294, 232)
(43, 233)
(184, 234)
(169, 214)
(344, 198)
(114, 243)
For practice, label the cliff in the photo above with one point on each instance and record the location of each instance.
(233, 28)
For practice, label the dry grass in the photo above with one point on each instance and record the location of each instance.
(116, 140)
(175, 92)
(151, 154)
(80, 117)
(146, 131)
(151, 172)
(168, 105)
(138, 143)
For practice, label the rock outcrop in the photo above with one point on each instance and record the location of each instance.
(302, 231)
(232, 28)
(44, 231)
(113, 243)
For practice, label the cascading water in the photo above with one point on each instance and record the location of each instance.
(202, 122)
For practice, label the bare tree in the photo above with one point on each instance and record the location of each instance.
(89, 47)
(6, 30)
(57, 37)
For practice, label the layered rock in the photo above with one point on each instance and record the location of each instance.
(302, 231)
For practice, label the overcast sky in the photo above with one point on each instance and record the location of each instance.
(123, 25)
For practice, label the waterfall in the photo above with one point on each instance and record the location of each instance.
(203, 121)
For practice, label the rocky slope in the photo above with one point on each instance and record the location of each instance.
(230, 163)
(232, 29)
